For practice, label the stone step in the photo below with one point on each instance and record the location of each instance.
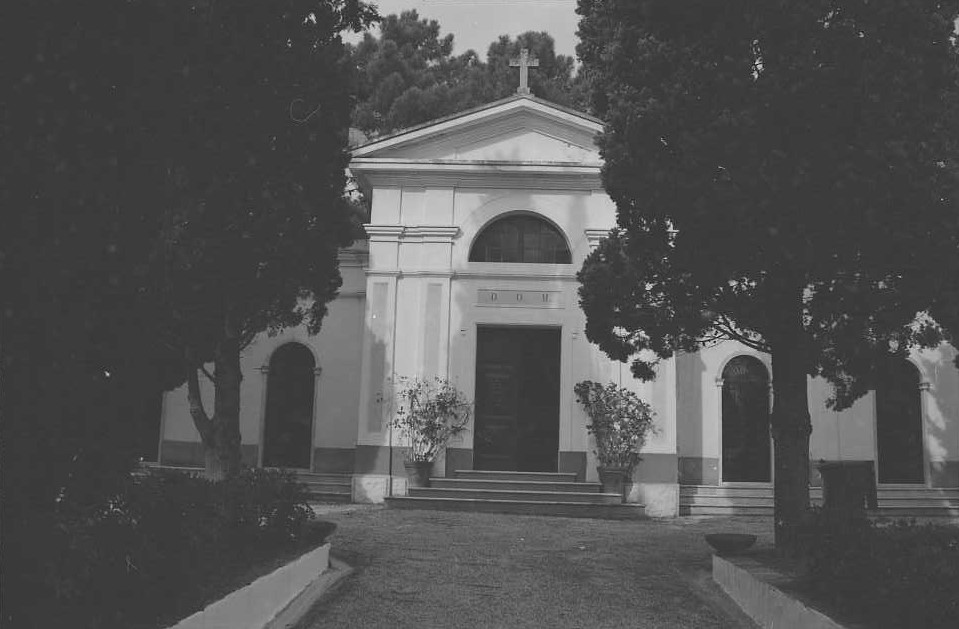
(517, 485)
(914, 511)
(749, 510)
(523, 496)
(724, 501)
(926, 493)
(520, 507)
(562, 477)
(725, 492)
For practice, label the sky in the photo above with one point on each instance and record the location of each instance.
(477, 23)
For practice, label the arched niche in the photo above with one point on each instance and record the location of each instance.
(521, 237)
(290, 386)
(899, 443)
(746, 448)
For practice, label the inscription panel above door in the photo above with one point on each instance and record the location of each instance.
(519, 298)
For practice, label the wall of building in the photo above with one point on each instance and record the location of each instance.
(337, 352)
(428, 299)
(848, 435)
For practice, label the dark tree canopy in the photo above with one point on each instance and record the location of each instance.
(163, 163)
(785, 175)
(409, 75)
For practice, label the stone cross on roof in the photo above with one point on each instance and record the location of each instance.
(524, 63)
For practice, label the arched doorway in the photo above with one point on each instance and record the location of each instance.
(746, 446)
(899, 423)
(288, 433)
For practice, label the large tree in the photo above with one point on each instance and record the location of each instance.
(785, 176)
(250, 129)
(409, 74)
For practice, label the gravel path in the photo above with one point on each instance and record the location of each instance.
(437, 569)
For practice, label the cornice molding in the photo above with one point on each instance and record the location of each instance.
(419, 233)
(384, 172)
(431, 233)
(593, 236)
(383, 233)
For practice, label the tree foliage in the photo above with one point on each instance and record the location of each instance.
(409, 74)
(252, 140)
(164, 161)
(785, 176)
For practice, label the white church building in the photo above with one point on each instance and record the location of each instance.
(479, 224)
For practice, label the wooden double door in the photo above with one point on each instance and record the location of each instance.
(517, 399)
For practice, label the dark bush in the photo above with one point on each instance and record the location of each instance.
(891, 575)
(166, 533)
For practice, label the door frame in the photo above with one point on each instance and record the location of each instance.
(719, 412)
(562, 372)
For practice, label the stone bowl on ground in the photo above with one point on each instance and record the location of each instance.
(729, 543)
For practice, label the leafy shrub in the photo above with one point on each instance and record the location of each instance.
(428, 413)
(618, 419)
(894, 575)
(165, 534)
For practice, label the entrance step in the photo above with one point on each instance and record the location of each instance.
(560, 477)
(895, 501)
(523, 496)
(326, 487)
(318, 487)
(515, 485)
(521, 507)
(524, 493)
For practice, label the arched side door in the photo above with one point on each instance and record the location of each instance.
(288, 433)
(746, 447)
(899, 423)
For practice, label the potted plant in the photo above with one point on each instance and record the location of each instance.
(429, 412)
(619, 421)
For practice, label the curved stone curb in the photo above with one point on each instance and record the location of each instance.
(762, 601)
(297, 609)
(274, 600)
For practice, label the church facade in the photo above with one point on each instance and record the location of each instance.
(479, 223)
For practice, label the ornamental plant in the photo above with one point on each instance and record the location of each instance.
(429, 412)
(618, 419)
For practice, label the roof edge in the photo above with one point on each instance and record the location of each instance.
(475, 110)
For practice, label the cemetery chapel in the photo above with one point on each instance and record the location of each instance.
(479, 224)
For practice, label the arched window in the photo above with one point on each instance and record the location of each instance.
(746, 445)
(288, 434)
(899, 423)
(521, 238)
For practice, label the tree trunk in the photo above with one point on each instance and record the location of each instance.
(221, 433)
(222, 455)
(791, 425)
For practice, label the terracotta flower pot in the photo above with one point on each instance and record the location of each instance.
(418, 473)
(613, 480)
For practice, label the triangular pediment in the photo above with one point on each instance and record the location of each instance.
(515, 130)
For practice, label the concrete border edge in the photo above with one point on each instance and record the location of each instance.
(293, 613)
(281, 596)
(766, 604)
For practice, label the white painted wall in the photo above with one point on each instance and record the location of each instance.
(337, 350)
(845, 435)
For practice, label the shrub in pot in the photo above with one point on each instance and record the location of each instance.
(619, 422)
(428, 413)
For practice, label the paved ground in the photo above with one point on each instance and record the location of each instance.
(434, 569)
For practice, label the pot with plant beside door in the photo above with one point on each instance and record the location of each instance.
(429, 412)
(620, 422)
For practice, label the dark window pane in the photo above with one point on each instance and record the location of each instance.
(521, 238)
